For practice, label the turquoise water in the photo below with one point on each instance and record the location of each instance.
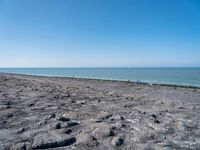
(178, 76)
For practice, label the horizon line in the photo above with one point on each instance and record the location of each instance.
(97, 67)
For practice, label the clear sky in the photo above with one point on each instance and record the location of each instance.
(99, 33)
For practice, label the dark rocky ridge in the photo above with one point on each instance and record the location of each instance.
(66, 113)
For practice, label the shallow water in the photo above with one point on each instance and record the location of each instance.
(178, 76)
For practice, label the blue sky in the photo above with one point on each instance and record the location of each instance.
(99, 33)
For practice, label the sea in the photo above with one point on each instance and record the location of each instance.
(171, 76)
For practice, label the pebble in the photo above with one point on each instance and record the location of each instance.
(157, 121)
(186, 125)
(57, 125)
(117, 141)
(19, 146)
(71, 124)
(117, 117)
(154, 116)
(21, 130)
(64, 119)
(52, 116)
(69, 131)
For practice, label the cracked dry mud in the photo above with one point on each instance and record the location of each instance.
(66, 113)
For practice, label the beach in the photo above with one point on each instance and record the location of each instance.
(72, 113)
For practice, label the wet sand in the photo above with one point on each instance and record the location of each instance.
(68, 113)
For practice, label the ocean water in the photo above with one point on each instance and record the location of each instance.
(177, 76)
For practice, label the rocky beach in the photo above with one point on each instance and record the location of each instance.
(69, 113)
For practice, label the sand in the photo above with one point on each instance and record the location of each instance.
(68, 113)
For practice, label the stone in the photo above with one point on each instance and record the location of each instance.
(120, 125)
(117, 117)
(31, 104)
(21, 130)
(64, 119)
(72, 123)
(157, 121)
(82, 102)
(117, 141)
(186, 125)
(154, 116)
(104, 115)
(86, 139)
(57, 125)
(10, 115)
(69, 124)
(52, 116)
(5, 146)
(52, 140)
(69, 131)
(102, 132)
(19, 146)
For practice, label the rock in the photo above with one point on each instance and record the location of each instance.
(117, 117)
(86, 139)
(156, 126)
(52, 140)
(171, 146)
(95, 120)
(103, 132)
(186, 125)
(104, 115)
(181, 107)
(117, 141)
(64, 119)
(19, 146)
(52, 116)
(57, 125)
(154, 116)
(5, 146)
(31, 104)
(170, 131)
(120, 125)
(71, 124)
(81, 102)
(21, 130)
(69, 131)
(61, 125)
(10, 115)
(157, 121)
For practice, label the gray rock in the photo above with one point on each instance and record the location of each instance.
(5, 146)
(69, 124)
(64, 119)
(117, 117)
(57, 125)
(104, 115)
(21, 130)
(19, 146)
(52, 140)
(101, 133)
(72, 123)
(69, 131)
(52, 116)
(117, 141)
(186, 125)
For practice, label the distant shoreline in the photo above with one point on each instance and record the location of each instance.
(112, 80)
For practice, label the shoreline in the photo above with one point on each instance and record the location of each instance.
(38, 112)
(112, 80)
